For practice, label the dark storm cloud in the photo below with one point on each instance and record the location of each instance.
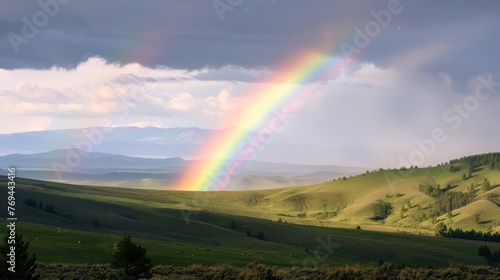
(253, 34)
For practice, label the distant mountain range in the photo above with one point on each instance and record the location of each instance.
(130, 141)
(66, 165)
(139, 157)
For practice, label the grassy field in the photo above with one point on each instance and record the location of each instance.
(340, 246)
(61, 245)
(292, 226)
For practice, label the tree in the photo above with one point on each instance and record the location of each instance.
(441, 229)
(261, 236)
(131, 258)
(486, 253)
(471, 169)
(25, 265)
(50, 208)
(381, 210)
(486, 185)
(31, 202)
(453, 169)
(495, 257)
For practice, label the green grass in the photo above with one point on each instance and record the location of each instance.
(309, 214)
(365, 248)
(61, 245)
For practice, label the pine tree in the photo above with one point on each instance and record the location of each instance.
(486, 185)
(24, 265)
(131, 258)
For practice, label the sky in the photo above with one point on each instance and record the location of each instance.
(402, 81)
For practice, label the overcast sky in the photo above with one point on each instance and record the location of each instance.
(427, 65)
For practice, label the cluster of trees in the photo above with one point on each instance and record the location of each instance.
(492, 160)
(381, 210)
(31, 202)
(446, 201)
(486, 185)
(454, 169)
(430, 188)
(494, 163)
(490, 257)
(260, 235)
(466, 234)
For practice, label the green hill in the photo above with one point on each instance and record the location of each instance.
(354, 201)
(291, 226)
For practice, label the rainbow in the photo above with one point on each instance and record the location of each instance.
(267, 110)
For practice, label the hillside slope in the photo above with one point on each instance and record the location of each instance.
(86, 221)
(288, 220)
(353, 201)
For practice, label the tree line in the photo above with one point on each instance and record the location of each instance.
(467, 234)
(32, 202)
(492, 160)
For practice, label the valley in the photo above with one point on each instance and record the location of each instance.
(339, 220)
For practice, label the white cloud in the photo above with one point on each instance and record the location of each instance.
(218, 105)
(96, 89)
(152, 123)
(182, 101)
(369, 115)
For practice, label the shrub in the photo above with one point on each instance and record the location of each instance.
(131, 258)
(25, 265)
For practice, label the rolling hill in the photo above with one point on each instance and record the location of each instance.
(102, 169)
(293, 222)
